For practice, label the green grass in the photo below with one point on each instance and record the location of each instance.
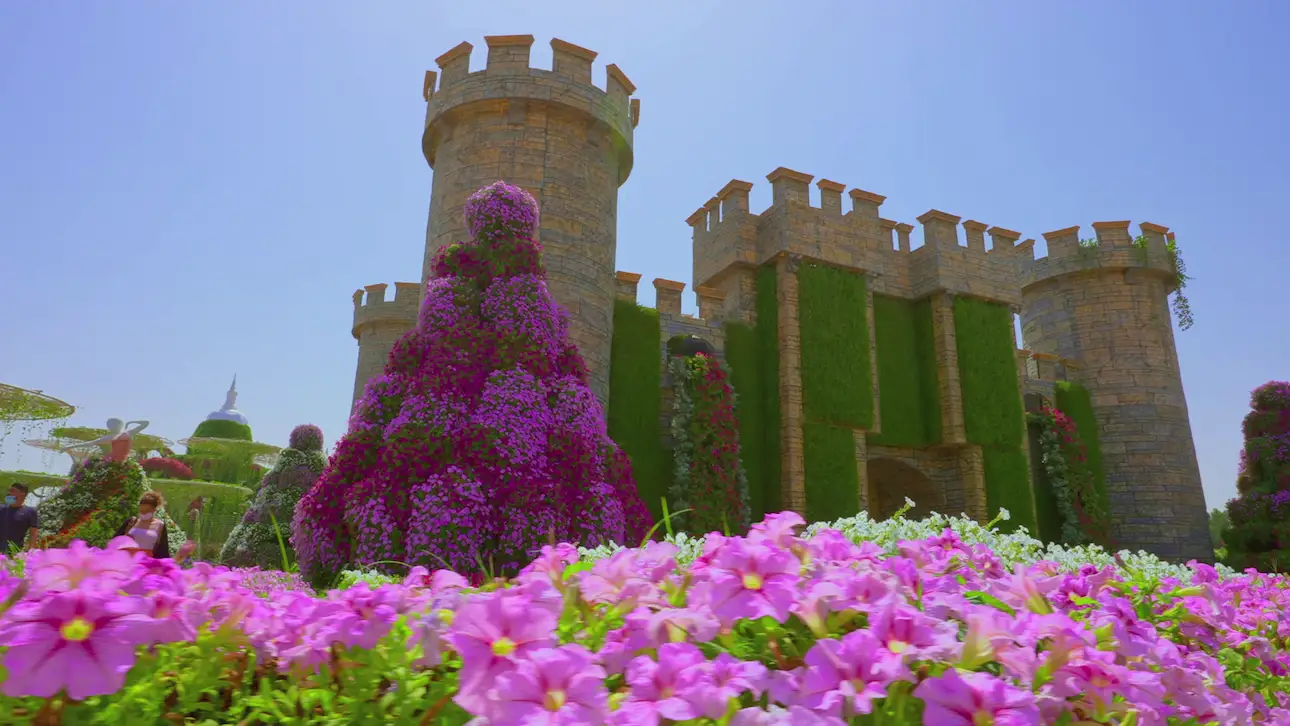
(992, 409)
(742, 357)
(635, 389)
(767, 306)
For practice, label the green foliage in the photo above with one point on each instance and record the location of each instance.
(635, 406)
(252, 535)
(98, 499)
(992, 410)
(708, 480)
(219, 429)
(744, 361)
(1218, 521)
(1074, 400)
(837, 373)
(768, 353)
(832, 478)
(1007, 486)
(909, 395)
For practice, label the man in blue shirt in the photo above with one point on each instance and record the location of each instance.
(18, 522)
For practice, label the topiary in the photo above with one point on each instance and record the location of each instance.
(254, 541)
(482, 441)
(101, 495)
(222, 429)
(708, 479)
(1258, 530)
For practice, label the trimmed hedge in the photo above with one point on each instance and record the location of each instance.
(768, 353)
(1048, 517)
(837, 373)
(993, 413)
(909, 395)
(635, 404)
(1007, 486)
(743, 359)
(832, 480)
(1074, 400)
(219, 429)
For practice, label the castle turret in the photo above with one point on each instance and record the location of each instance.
(378, 325)
(1106, 305)
(559, 137)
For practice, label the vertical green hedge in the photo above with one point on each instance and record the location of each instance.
(994, 417)
(635, 390)
(832, 481)
(743, 359)
(909, 396)
(1007, 486)
(1074, 401)
(767, 331)
(1048, 518)
(837, 374)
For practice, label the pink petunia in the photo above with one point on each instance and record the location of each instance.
(975, 699)
(550, 687)
(492, 630)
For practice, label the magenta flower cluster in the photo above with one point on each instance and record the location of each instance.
(767, 629)
(481, 442)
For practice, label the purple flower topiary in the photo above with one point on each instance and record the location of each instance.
(306, 437)
(481, 442)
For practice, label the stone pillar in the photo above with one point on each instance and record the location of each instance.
(791, 415)
(667, 296)
(972, 472)
(627, 285)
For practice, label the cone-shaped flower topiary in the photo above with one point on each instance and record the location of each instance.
(481, 442)
(254, 541)
(1258, 533)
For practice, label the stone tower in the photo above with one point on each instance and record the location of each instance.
(378, 325)
(1106, 304)
(559, 137)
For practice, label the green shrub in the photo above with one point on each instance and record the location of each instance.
(220, 429)
(768, 353)
(837, 373)
(909, 394)
(1007, 486)
(743, 359)
(992, 409)
(635, 406)
(832, 479)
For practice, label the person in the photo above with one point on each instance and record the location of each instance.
(19, 524)
(149, 531)
(117, 441)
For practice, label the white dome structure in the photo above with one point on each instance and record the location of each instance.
(229, 412)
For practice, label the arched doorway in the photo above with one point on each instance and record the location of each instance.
(891, 481)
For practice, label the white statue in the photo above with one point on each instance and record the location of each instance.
(117, 441)
(229, 412)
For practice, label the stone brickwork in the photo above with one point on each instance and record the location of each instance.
(1107, 307)
(378, 325)
(557, 136)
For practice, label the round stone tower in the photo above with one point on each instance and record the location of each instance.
(559, 137)
(378, 325)
(1107, 306)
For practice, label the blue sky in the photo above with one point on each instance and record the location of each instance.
(193, 190)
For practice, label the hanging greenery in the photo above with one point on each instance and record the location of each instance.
(1065, 469)
(708, 479)
(30, 409)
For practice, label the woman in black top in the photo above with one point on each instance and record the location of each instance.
(149, 532)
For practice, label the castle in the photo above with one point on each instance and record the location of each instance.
(870, 371)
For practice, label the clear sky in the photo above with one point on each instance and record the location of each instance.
(192, 190)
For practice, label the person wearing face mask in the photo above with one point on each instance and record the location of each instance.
(149, 531)
(18, 523)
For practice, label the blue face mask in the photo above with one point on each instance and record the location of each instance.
(10, 500)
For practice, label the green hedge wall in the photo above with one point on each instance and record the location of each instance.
(767, 306)
(994, 417)
(1074, 401)
(743, 359)
(635, 388)
(909, 395)
(837, 374)
(832, 481)
(1048, 517)
(220, 429)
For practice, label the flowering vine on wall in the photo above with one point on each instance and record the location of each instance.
(708, 478)
(1064, 463)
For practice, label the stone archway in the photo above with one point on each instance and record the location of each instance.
(891, 481)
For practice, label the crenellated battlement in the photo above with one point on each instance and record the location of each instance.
(372, 309)
(728, 236)
(508, 79)
(1113, 248)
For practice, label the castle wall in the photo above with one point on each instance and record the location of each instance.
(378, 325)
(1107, 306)
(560, 138)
